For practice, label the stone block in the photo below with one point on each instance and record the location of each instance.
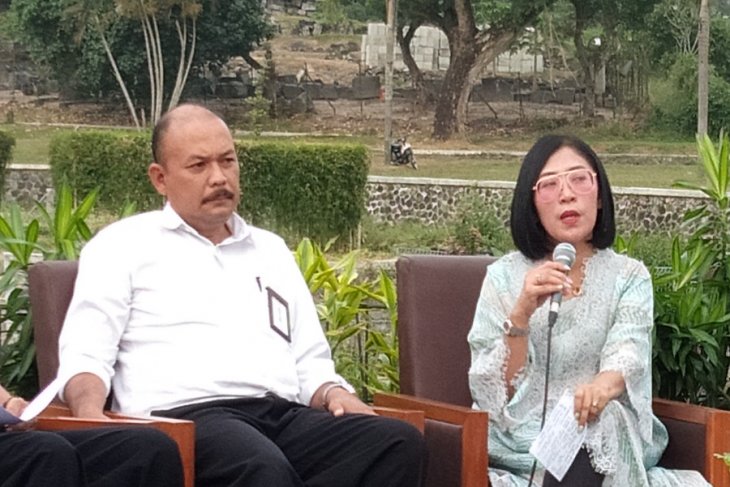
(365, 87)
(290, 91)
(565, 96)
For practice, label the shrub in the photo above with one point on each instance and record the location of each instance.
(674, 100)
(301, 190)
(347, 304)
(477, 230)
(692, 300)
(68, 231)
(115, 163)
(316, 190)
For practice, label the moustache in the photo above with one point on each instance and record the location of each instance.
(219, 194)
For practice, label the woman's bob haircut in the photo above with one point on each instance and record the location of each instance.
(528, 234)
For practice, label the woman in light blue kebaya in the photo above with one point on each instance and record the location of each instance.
(601, 341)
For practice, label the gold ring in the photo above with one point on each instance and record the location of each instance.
(595, 403)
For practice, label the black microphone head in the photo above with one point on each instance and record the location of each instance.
(564, 253)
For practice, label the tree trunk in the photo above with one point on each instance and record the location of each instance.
(117, 74)
(703, 67)
(462, 36)
(404, 41)
(463, 56)
(488, 51)
(585, 58)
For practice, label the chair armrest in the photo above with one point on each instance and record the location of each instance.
(472, 424)
(696, 433)
(413, 417)
(59, 418)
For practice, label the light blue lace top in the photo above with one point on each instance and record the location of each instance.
(607, 327)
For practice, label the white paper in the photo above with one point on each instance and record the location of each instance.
(42, 400)
(560, 439)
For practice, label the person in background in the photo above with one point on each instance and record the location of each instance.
(101, 457)
(601, 341)
(192, 313)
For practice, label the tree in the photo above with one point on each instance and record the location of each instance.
(597, 35)
(93, 48)
(703, 69)
(471, 46)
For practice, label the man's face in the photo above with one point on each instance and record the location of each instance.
(199, 173)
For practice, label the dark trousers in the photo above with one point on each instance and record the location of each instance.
(104, 457)
(270, 441)
(580, 474)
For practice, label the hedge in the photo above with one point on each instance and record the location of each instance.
(315, 191)
(304, 190)
(6, 150)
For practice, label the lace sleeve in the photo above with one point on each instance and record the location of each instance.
(488, 350)
(628, 344)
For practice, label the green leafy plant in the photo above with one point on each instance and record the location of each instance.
(692, 305)
(21, 243)
(725, 457)
(477, 230)
(347, 305)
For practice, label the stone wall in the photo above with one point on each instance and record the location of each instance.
(26, 183)
(434, 201)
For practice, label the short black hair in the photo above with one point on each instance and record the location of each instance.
(528, 233)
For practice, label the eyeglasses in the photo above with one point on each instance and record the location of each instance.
(581, 181)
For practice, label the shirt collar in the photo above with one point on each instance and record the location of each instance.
(240, 230)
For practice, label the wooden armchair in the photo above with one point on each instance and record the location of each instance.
(437, 297)
(51, 285)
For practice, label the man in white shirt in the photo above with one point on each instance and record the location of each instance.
(192, 313)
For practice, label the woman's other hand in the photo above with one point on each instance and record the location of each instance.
(591, 399)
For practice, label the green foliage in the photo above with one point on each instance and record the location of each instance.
(114, 162)
(63, 35)
(347, 305)
(68, 231)
(692, 300)
(313, 190)
(6, 151)
(674, 99)
(404, 234)
(725, 457)
(477, 230)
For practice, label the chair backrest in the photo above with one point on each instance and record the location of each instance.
(50, 287)
(437, 297)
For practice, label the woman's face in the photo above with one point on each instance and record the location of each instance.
(566, 197)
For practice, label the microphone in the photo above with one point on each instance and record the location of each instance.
(565, 254)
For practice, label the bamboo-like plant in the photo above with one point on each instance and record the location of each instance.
(346, 304)
(692, 312)
(20, 243)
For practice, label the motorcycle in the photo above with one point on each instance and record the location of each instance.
(401, 154)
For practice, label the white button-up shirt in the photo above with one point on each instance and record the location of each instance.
(168, 318)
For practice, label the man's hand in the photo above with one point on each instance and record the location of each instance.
(16, 406)
(339, 402)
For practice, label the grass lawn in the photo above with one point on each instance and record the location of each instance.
(32, 143)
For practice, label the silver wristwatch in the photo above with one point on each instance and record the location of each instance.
(514, 331)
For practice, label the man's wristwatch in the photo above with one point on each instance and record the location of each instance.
(514, 331)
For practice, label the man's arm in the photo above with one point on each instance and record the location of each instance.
(85, 394)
